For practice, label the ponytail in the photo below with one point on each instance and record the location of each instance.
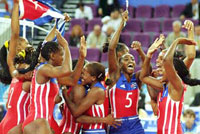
(191, 82)
(184, 73)
(5, 76)
(105, 47)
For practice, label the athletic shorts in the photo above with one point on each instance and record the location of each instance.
(130, 125)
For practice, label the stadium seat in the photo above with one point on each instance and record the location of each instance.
(144, 38)
(133, 25)
(80, 22)
(154, 57)
(94, 9)
(177, 9)
(74, 52)
(104, 57)
(93, 22)
(167, 25)
(144, 11)
(126, 38)
(135, 54)
(152, 25)
(93, 54)
(66, 36)
(162, 11)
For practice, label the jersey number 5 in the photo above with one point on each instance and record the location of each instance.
(129, 99)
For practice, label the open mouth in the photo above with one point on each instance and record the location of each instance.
(130, 66)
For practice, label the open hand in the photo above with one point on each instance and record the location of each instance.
(156, 45)
(189, 25)
(67, 17)
(125, 16)
(83, 47)
(112, 121)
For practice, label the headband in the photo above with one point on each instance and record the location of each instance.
(22, 53)
(6, 44)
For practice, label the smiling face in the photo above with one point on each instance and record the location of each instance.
(127, 63)
(86, 77)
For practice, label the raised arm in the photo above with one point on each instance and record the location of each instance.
(92, 97)
(51, 34)
(136, 45)
(14, 37)
(75, 75)
(171, 73)
(50, 71)
(112, 58)
(189, 50)
(145, 73)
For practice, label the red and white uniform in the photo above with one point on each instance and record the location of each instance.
(68, 123)
(124, 97)
(17, 104)
(42, 99)
(169, 113)
(96, 111)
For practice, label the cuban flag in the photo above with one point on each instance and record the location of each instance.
(38, 11)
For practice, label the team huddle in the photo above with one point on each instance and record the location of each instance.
(98, 100)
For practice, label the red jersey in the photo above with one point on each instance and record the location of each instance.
(124, 97)
(169, 113)
(97, 111)
(42, 99)
(68, 123)
(17, 104)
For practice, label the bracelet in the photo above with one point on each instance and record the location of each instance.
(15, 72)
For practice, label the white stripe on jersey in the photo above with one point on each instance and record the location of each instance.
(94, 115)
(113, 98)
(70, 127)
(41, 105)
(76, 126)
(170, 117)
(36, 88)
(176, 117)
(28, 97)
(164, 125)
(46, 99)
(97, 108)
(66, 113)
(103, 112)
(18, 106)
(137, 101)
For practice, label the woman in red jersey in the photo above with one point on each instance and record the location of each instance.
(18, 96)
(93, 104)
(175, 72)
(45, 86)
(18, 100)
